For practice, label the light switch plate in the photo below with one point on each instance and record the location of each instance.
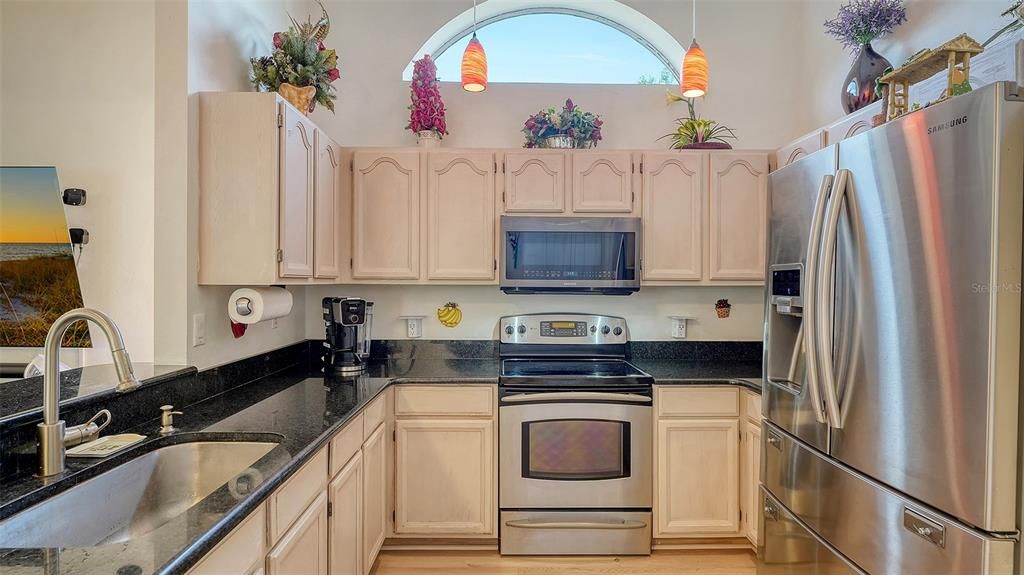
(198, 329)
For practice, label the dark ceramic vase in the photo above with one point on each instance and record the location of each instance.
(859, 87)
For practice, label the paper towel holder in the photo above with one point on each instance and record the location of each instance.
(243, 306)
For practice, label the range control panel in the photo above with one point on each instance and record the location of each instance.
(563, 328)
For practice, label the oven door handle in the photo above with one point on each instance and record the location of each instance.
(577, 396)
(541, 524)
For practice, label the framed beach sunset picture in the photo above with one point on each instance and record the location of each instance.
(38, 279)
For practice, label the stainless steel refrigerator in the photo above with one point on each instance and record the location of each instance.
(893, 348)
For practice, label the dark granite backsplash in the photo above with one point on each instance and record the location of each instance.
(488, 349)
(18, 433)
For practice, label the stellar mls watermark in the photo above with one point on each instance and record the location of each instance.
(1008, 287)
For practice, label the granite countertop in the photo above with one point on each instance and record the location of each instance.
(298, 411)
(23, 398)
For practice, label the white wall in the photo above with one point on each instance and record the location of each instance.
(223, 35)
(929, 23)
(745, 41)
(647, 311)
(78, 93)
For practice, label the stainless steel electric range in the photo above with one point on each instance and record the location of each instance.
(576, 438)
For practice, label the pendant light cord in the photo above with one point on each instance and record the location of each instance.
(694, 18)
(474, 18)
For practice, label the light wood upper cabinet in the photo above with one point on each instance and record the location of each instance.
(298, 157)
(738, 216)
(602, 182)
(852, 124)
(460, 216)
(444, 482)
(535, 181)
(303, 548)
(374, 495)
(751, 479)
(698, 477)
(345, 494)
(800, 148)
(386, 215)
(673, 194)
(329, 176)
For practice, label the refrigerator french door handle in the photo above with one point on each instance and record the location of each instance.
(808, 327)
(825, 299)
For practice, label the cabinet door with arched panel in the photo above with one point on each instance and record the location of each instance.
(296, 194)
(673, 192)
(534, 181)
(386, 214)
(460, 216)
(602, 182)
(737, 216)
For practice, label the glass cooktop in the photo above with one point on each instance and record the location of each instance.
(604, 371)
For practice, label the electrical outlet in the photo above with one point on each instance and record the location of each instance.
(273, 323)
(198, 329)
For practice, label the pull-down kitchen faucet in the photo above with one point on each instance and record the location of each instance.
(53, 438)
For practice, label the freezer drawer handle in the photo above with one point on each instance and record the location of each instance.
(540, 524)
(773, 439)
(923, 527)
(771, 511)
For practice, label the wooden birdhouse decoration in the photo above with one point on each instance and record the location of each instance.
(954, 56)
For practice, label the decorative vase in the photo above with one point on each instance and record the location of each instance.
(561, 142)
(859, 87)
(707, 146)
(300, 97)
(428, 139)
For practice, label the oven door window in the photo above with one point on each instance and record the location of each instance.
(575, 449)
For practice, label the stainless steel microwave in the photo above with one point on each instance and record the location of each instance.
(570, 255)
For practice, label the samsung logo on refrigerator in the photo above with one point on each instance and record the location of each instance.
(950, 124)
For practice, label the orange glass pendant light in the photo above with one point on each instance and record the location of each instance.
(693, 79)
(474, 63)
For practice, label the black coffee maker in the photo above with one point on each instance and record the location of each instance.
(346, 322)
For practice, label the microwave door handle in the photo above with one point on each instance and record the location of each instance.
(825, 296)
(810, 340)
(576, 396)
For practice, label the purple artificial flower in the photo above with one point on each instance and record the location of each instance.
(861, 21)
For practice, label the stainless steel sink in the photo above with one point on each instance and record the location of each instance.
(134, 498)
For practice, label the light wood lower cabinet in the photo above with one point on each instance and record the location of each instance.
(345, 495)
(444, 482)
(751, 468)
(242, 552)
(303, 548)
(445, 461)
(374, 495)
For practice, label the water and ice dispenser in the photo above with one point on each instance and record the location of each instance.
(785, 363)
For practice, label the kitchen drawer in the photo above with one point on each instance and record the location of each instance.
(752, 406)
(346, 444)
(292, 498)
(374, 414)
(698, 402)
(445, 400)
(241, 552)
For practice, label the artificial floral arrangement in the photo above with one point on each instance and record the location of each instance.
(860, 22)
(1015, 11)
(426, 111)
(695, 132)
(300, 68)
(722, 308)
(569, 127)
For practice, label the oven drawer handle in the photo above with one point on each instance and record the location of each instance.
(576, 396)
(540, 524)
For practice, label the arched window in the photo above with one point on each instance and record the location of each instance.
(559, 45)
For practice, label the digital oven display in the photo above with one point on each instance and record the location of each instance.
(563, 328)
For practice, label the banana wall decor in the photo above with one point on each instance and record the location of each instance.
(449, 314)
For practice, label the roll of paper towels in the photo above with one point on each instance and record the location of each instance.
(252, 305)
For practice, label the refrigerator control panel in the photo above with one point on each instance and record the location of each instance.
(785, 288)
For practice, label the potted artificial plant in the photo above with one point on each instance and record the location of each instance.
(426, 111)
(569, 127)
(300, 68)
(696, 133)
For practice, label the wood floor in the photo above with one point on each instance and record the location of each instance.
(490, 563)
